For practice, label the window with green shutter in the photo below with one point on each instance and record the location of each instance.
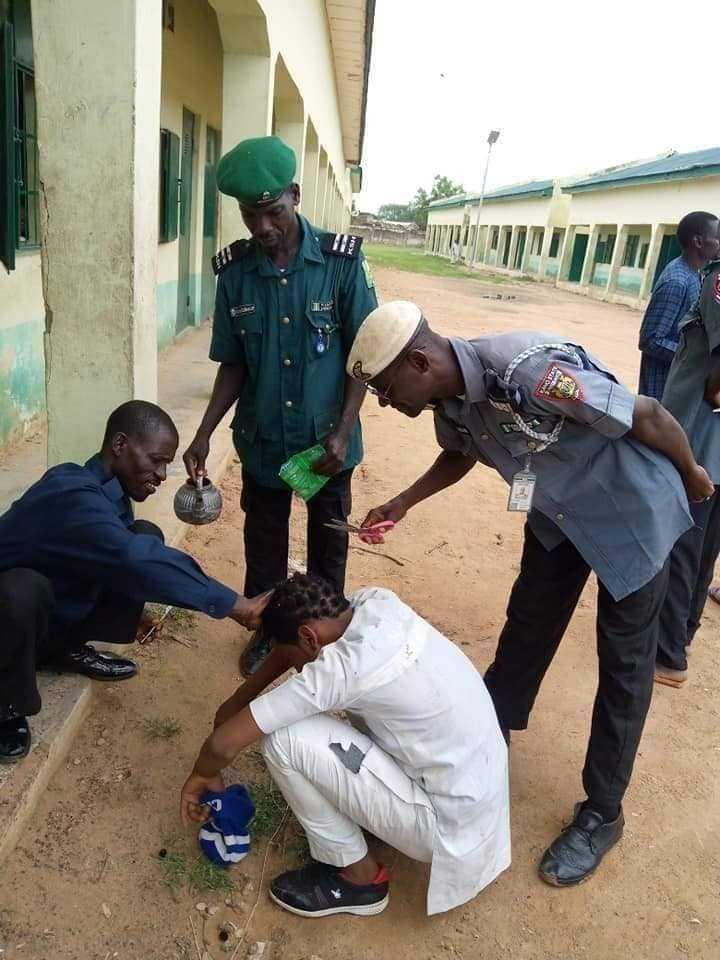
(631, 249)
(642, 260)
(19, 181)
(554, 244)
(169, 180)
(7, 152)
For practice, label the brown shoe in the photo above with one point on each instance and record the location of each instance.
(670, 677)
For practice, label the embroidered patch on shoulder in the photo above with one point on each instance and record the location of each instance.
(242, 309)
(559, 385)
(716, 287)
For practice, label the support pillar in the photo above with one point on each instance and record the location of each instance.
(488, 241)
(99, 229)
(514, 236)
(567, 251)
(311, 173)
(545, 252)
(656, 239)
(527, 252)
(589, 261)
(290, 127)
(618, 252)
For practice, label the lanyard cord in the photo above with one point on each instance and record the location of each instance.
(544, 439)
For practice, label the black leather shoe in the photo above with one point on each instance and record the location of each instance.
(91, 663)
(14, 739)
(255, 653)
(577, 852)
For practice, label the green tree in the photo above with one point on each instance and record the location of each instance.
(444, 187)
(397, 212)
(441, 187)
(417, 210)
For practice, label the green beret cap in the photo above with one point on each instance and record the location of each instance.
(256, 170)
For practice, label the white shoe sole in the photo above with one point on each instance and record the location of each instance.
(367, 910)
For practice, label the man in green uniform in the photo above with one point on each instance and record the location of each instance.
(288, 305)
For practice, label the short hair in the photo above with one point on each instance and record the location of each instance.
(692, 225)
(138, 418)
(295, 601)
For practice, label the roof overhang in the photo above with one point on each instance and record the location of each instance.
(636, 181)
(351, 30)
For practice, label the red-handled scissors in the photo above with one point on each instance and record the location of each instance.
(366, 534)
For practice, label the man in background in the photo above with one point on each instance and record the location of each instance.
(676, 290)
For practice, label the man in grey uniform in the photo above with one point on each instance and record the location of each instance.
(692, 393)
(611, 474)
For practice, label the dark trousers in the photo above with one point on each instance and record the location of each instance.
(692, 562)
(29, 639)
(267, 515)
(542, 602)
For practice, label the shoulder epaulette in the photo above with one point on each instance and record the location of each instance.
(341, 244)
(230, 254)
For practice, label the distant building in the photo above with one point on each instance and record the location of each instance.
(375, 230)
(607, 235)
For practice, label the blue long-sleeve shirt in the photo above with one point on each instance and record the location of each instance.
(676, 290)
(72, 527)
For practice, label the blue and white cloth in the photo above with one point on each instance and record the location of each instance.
(224, 837)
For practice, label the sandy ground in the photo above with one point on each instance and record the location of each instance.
(87, 882)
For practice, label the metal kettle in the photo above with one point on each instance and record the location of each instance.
(198, 503)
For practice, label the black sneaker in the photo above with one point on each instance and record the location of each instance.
(255, 653)
(576, 854)
(14, 739)
(318, 890)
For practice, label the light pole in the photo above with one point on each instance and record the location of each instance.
(492, 138)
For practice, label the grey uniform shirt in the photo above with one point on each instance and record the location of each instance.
(620, 503)
(697, 353)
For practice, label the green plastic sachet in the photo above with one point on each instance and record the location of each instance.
(297, 474)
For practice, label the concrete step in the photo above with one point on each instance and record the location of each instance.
(185, 381)
(66, 701)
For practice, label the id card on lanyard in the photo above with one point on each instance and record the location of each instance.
(522, 490)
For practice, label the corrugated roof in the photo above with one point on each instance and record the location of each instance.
(520, 191)
(675, 166)
(534, 188)
(459, 200)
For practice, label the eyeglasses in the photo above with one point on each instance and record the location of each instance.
(381, 394)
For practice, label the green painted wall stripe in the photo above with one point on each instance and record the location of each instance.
(22, 377)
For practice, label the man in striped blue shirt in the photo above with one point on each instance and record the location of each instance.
(676, 290)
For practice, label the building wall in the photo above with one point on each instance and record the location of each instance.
(647, 203)
(299, 31)
(192, 77)
(532, 212)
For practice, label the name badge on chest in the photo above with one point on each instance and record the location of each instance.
(522, 490)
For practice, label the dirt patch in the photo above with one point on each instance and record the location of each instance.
(97, 836)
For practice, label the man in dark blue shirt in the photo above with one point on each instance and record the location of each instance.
(76, 566)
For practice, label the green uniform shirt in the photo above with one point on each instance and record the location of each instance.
(293, 330)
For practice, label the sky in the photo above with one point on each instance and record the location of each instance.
(572, 87)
